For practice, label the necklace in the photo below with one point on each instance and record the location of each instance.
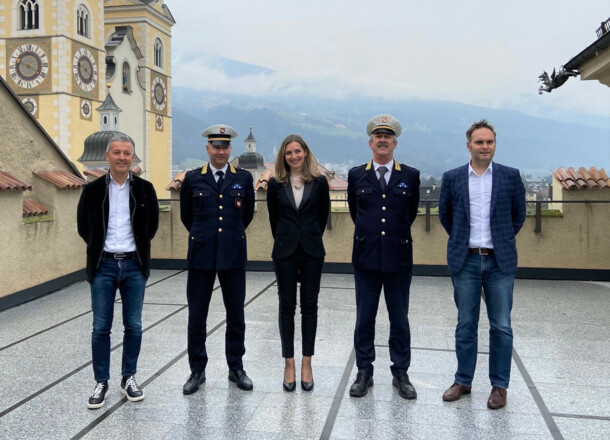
(295, 182)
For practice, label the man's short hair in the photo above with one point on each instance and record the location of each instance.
(479, 124)
(120, 137)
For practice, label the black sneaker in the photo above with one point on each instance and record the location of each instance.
(98, 398)
(130, 388)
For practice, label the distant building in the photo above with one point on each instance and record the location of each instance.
(59, 56)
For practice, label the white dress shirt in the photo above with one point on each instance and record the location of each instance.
(479, 188)
(119, 237)
(388, 173)
(223, 169)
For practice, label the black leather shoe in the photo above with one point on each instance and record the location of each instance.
(241, 379)
(361, 385)
(131, 389)
(405, 389)
(307, 386)
(290, 386)
(193, 382)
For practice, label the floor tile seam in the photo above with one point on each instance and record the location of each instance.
(550, 422)
(158, 373)
(12, 344)
(72, 318)
(338, 398)
(76, 370)
(581, 416)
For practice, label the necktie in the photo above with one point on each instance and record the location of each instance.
(382, 182)
(221, 179)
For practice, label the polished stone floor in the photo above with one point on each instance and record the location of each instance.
(559, 386)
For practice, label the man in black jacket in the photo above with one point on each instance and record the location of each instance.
(118, 215)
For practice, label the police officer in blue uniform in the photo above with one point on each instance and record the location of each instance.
(216, 207)
(383, 196)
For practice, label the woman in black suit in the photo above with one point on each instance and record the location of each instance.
(298, 201)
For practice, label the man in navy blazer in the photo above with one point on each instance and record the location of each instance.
(383, 196)
(482, 208)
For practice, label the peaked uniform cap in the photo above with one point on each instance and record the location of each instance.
(219, 134)
(383, 124)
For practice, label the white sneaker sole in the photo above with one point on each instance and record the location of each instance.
(132, 399)
(96, 405)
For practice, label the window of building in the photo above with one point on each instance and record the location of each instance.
(82, 21)
(126, 77)
(28, 15)
(158, 53)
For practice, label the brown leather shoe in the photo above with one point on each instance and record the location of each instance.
(497, 398)
(455, 391)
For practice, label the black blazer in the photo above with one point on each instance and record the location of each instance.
(92, 219)
(291, 226)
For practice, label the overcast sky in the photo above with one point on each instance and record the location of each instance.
(477, 52)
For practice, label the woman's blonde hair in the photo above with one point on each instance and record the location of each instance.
(282, 169)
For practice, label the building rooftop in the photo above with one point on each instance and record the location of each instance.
(559, 382)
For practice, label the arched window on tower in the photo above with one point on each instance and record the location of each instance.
(82, 21)
(158, 53)
(126, 72)
(28, 15)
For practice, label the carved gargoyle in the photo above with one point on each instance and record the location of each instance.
(555, 81)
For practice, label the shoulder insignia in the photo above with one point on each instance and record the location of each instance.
(204, 169)
(369, 165)
(232, 168)
(396, 165)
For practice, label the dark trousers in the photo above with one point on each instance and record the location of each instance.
(308, 270)
(198, 293)
(396, 287)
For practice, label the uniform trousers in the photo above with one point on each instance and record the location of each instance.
(396, 286)
(308, 270)
(200, 284)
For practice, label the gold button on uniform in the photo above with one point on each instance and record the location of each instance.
(200, 194)
(220, 196)
(220, 218)
(382, 232)
(220, 207)
(383, 196)
(383, 208)
(383, 220)
(219, 229)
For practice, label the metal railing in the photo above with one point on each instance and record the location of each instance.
(427, 205)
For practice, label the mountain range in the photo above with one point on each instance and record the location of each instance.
(432, 140)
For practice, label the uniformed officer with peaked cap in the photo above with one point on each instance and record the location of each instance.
(216, 207)
(383, 196)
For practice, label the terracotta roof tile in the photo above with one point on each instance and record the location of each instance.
(582, 178)
(8, 182)
(62, 179)
(176, 182)
(96, 172)
(335, 183)
(263, 180)
(30, 208)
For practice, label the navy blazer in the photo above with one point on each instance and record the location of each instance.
(304, 225)
(507, 214)
(382, 236)
(217, 218)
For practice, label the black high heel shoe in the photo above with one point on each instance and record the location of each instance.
(290, 386)
(307, 386)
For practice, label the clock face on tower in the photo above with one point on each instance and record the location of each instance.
(159, 93)
(28, 66)
(84, 69)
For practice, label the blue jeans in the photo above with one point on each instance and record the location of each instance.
(127, 276)
(483, 272)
